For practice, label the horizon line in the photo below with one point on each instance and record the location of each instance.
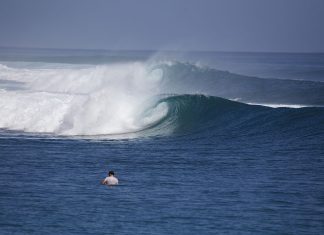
(162, 50)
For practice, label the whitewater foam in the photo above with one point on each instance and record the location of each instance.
(294, 106)
(105, 99)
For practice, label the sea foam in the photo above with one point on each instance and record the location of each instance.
(91, 100)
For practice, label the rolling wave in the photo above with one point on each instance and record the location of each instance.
(215, 115)
(150, 99)
(186, 78)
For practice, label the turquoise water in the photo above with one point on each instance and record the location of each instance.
(192, 154)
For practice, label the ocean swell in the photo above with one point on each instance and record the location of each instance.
(212, 116)
(147, 99)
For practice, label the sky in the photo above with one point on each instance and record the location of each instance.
(186, 25)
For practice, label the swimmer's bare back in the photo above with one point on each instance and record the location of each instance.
(110, 180)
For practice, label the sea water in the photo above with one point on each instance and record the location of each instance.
(201, 142)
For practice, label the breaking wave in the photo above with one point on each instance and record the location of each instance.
(146, 99)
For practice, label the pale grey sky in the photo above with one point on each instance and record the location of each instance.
(221, 25)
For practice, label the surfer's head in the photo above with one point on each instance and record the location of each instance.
(111, 173)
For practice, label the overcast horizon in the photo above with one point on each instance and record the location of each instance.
(156, 50)
(288, 26)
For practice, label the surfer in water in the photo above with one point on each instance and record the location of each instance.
(110, 179)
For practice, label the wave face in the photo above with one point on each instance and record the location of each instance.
(146, 98)
(217, 116)
(186, 78)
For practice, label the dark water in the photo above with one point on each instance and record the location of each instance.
(178, 185)
(209, 166)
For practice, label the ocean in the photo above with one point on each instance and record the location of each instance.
(201, 142)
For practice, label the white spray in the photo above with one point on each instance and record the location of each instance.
(88, 100)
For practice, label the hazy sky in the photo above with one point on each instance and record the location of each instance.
(222, 25)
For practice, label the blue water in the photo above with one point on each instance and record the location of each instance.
(200, 160)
